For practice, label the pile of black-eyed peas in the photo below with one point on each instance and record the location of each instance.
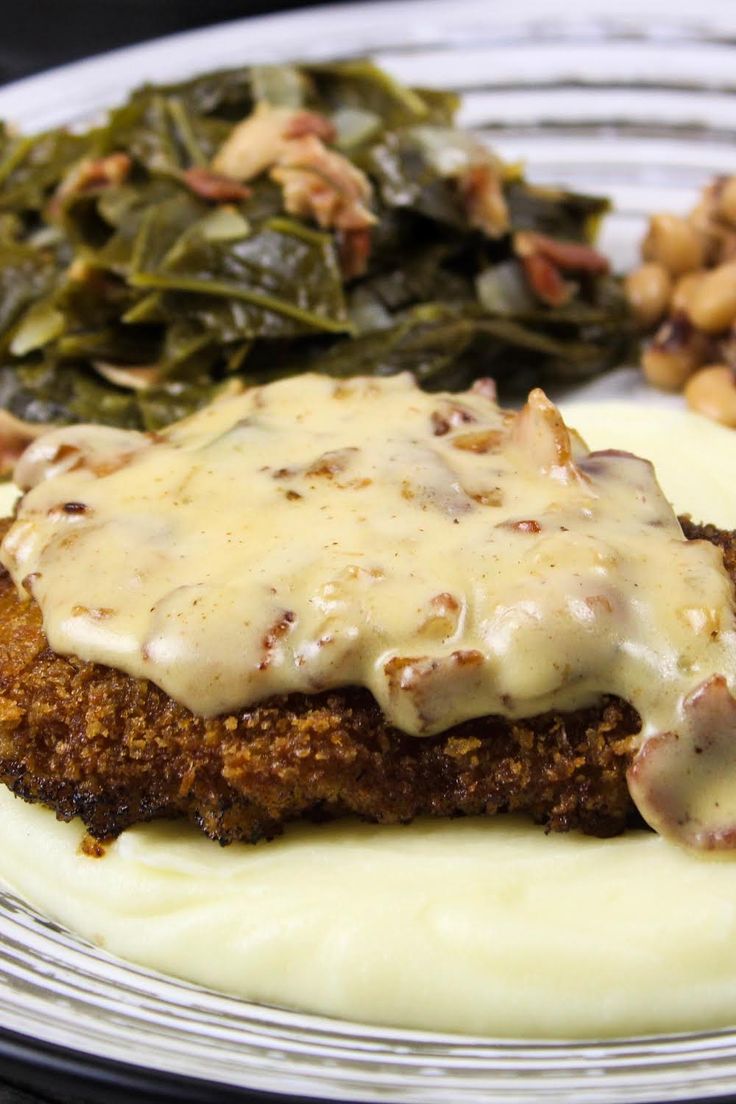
(685, 292)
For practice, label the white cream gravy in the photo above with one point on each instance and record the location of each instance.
(454, 558)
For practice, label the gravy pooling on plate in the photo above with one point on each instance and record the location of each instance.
(454, 558)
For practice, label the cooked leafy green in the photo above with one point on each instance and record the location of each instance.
(136, 281)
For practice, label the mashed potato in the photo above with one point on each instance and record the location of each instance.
(481, 926)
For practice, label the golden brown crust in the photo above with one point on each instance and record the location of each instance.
(92, 742)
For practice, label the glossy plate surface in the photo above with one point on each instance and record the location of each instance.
(636, 100)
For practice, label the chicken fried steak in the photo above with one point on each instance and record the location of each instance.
(93, 742)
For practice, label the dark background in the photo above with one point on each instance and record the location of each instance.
(37, 34)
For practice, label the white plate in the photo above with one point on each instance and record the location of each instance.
(636, 100)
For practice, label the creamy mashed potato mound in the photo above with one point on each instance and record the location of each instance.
(479, 926)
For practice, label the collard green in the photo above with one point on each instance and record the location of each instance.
(137, 280)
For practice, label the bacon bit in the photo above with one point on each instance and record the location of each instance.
(257, 142)
(440, 424)
(482, 193)
(46, 457)
(452, 416)
(443, 620)
(322, 184)
(526, 526)
(468, 658)
(486, 387)
(445, 603)
(570, 256)
(317, 182)
(484, 440)
(303, 123)
(407, 673)
(545, 280)
(542, 434)
(460, 415)
(113, 169)
(354, 249)
(214, 186)
(276, 633)
(680, 781)
(15, 436)
(544, 259)
(331, 463)
(28, 581)
(100, 172)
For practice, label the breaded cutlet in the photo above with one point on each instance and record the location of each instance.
(92, 742)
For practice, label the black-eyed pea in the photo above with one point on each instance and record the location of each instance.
(727, 200)
(704, 220)
(703, 215)
(648, 290)
(724, 349)
(675, 353)
(682, 291)
(712, 391)
(725, 246)
(712, 305)
(674, 243)
(667, 369)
